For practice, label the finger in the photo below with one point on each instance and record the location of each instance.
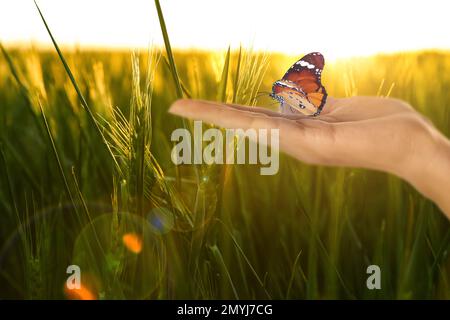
(204, 106)
(360, 108)
(270, 113)
(330, 105)
(225, 115)
(179, 106)
(305, 139)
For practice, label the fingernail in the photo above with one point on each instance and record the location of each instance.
(176, 107)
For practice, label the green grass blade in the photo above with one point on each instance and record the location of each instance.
(236, 78)
(173, 67)
(55, 154)
(8, 180)
(186, 92)
(218, 256)
(80, 195)
(75, 85)
(327, 257)
(238, 247)
(19, 159)
(176, 79)
(291, 279)
(22, 87)
(222, 92)
(14, 71)
(441, 254)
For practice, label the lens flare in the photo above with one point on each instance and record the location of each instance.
(161, 220)
(82, 293)
(132, 242)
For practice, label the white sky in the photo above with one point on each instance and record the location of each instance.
(336, 28)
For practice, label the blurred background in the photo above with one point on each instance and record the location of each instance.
(85, 170)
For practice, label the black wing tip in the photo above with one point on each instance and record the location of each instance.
(314, 53)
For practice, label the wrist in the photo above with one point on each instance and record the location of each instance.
(429, 170)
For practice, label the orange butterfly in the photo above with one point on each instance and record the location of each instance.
(300, 89)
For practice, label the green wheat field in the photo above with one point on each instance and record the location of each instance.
(85, 161)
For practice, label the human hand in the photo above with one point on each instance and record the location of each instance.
(366, 132)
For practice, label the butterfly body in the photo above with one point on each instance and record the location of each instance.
(300, 90)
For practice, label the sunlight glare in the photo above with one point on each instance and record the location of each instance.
(336, 28)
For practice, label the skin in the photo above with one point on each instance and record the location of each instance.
(365, 132)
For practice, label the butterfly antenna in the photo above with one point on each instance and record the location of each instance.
(262, 93)
(256, 98)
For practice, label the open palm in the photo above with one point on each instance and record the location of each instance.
(367, 132)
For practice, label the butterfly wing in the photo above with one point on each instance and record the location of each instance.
(304, 77)
(308, 68)
(292, 99)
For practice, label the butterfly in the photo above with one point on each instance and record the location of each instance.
(300, 89)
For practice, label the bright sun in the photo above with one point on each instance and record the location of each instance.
(337, 28)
